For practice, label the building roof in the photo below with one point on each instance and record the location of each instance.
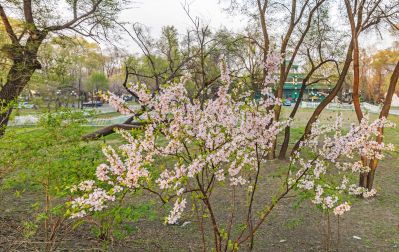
(313, 86)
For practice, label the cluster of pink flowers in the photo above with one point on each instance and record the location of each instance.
(357, 190)
(221, 138)
(341, 209)
(114, 177)
(333, 153)
(94, 199)
(141, 91)
(272, 65)
(223, 142)
(177, 211)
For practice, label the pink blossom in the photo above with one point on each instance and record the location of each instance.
(175, 214)
(341, 209)
(191, 144)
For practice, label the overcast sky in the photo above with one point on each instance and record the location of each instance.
(158, 13)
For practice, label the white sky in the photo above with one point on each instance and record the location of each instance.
(158, 13)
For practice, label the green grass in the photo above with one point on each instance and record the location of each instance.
(374, 220)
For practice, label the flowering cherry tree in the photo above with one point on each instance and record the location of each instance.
(190, 149)
(333, 157)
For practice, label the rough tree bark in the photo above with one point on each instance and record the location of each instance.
(355, 28)
(24, 63)
(384, 113)
(22, 47)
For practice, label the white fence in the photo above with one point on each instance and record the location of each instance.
(338, 106)
(33, 119)
(333, 105)
(91, 121)
(106, 121)
(24, 120)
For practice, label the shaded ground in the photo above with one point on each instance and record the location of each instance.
(302, 228)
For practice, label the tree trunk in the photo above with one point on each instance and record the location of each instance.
(109, 130)
(287, 132)
(363, 177)
(384, 113)
(19, 75)
(24, 64)
(127, 125)
(356, 71)
(356, 82)
(277, 108)
(328, 99)
(4, 118)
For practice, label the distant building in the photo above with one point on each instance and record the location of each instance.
(315, 92)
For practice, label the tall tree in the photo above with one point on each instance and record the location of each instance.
(321, 55)
(296, 16)
(41, 19)
(369, 15)
(368, 179)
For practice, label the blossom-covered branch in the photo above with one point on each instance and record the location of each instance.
(190, 149)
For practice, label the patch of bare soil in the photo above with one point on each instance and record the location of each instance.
(371, 225)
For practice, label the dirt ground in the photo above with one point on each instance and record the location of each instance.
(375, 221)
(371, 225)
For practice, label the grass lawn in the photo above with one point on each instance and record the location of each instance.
(290, 227)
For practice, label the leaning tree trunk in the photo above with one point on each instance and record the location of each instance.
(126, 125)
(24, 64)
(277, 109)
(328, 99)
(384, 113)
(17, 78)
(287, 131)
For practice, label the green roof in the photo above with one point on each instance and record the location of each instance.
(315, 86)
